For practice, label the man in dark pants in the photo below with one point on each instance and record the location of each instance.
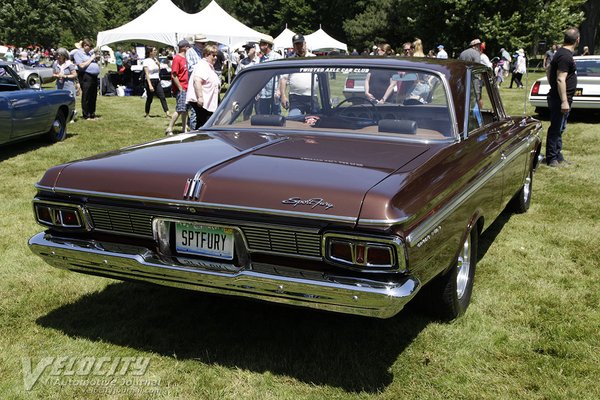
(88, 71)
(562, 77)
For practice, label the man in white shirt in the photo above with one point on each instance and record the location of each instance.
(441, 52)
(300, 84)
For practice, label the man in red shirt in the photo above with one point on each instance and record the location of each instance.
(179, 77)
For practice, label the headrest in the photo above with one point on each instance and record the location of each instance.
(267, 120)
(397, 126)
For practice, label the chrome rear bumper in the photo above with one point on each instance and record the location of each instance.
(260, 281)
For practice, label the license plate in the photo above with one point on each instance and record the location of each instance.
(578, 92)
(204, 240)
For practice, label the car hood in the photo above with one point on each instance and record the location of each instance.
(324, 175)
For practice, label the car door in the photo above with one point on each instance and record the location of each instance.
(5, 119)
(484, 131)
(514, 146)
(7, 85)
(29, 112)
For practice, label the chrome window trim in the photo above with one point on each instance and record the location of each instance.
(82, 215)
(449, 100)
(428, 225)
(394, 242)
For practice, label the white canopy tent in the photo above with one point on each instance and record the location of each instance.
(166, 23)
(283, 40)
(320, 40)
(219, 26)
(161, 23)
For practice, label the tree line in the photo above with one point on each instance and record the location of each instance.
(361, 23)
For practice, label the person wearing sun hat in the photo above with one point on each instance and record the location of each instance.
(520, 69)
(441, 52)
(266, 104)
(193, 57)
(473, 53)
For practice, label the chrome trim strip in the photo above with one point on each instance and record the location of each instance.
(266, 282)
(428, 225)
(384, 222)
(195, 204)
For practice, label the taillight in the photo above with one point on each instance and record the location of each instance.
(58, 215)
(364, 253)
(535, 89)
(350, 83)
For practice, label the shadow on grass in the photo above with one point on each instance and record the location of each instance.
(349, 352)
(576, 115)
(10, 150)
(489, 236)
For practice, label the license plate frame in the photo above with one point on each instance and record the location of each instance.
(205, 240)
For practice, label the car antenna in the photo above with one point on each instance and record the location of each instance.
(526, 91)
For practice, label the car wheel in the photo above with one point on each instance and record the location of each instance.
(58, 130)
(520, 203)
(450, 293)
(34, 79)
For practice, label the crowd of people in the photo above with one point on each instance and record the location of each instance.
(199, 67)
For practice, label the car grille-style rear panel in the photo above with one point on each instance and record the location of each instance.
(107, 219)
(259, 238)
(283, 241)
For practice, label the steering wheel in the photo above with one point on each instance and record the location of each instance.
(374, 112)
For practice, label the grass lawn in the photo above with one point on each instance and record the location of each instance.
(531, 332)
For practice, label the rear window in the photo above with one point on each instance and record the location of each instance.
(588, 67)
(375, 101)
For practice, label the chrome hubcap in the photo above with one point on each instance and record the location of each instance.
(463, 266)
(57, 127)
(527, 189)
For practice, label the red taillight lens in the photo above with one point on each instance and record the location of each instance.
(69, 218)
(341, 251)
(350, 83)
(379, 256)
(535, 89)
(43, 214)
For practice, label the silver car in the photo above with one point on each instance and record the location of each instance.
(33, 75)
(587, 94)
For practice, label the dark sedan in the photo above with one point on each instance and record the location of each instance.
(293, 193)
(27, 112)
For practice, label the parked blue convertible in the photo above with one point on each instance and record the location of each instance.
(26, 112)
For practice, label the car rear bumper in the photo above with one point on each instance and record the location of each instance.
(261, 281)
(578, 102)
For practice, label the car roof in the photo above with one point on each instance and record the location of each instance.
(586, 58)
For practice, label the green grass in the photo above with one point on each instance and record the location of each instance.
(532, 330)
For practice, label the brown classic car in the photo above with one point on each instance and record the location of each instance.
(292, 193)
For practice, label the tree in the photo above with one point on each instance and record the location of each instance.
(48, 23)
(589, 27)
